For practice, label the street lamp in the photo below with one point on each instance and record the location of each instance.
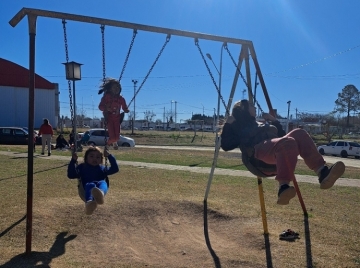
(73, 73)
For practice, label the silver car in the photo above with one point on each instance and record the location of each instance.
(97, 138)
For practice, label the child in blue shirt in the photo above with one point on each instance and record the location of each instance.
(92, 174)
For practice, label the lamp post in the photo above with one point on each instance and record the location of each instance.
(73, 73)
(132, 129)
(288, 116)
(219, 73)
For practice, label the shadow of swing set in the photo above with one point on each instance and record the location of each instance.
(247, 53)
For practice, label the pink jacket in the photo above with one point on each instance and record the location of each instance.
(112, 104)
(46, 129)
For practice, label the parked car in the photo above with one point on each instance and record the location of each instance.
(14, 135)
(36, 133)
(341, 148)
(97, 138)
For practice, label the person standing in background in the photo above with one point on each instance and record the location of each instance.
(47, 132)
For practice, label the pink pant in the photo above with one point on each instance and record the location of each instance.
(284, 153)
(113, 125)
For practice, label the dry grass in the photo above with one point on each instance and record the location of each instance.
(153, 218)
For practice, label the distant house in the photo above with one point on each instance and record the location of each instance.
(14, 97)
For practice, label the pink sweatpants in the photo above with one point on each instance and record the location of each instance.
(113, 125)
(284, 153)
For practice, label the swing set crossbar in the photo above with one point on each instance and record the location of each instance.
(122, 24)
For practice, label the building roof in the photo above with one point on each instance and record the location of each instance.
(14, 75)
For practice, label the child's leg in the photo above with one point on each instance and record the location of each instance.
(43, 143)
(88, 188)
(111, 129)
(280, 151)
(284, 153)
(99, 192)
(307, 149)
(48, 140)
(102, 185)
(117, 128)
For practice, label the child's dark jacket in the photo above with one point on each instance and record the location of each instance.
(234, 136)
(88, 173)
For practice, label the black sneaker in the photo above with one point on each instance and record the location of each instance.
(289, 235)
(42, 153)
(328, 176)
(49, 154)
(285, 193)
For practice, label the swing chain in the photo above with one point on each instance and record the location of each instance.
(211, 75)
(243, 78)
(128, 54)
(152, 67)
(104, 80)
(69, 83)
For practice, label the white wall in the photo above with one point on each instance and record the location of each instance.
(14, 106)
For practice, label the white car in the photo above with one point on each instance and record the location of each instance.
(97, 138)
(341, 148)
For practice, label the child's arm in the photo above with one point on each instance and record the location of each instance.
(102, 104)
(114, 166)
(72, 171)
(124, 105)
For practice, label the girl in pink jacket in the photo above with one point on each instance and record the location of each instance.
(111, 105)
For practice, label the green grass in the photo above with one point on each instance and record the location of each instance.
(193, 158)
(142, 202)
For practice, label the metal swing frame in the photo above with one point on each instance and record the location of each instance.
(247, 49)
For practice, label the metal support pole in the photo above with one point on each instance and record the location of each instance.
(219, 94)
(30, 162)
(75, 118)
(262, 205)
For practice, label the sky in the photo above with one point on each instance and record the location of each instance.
(308, 51)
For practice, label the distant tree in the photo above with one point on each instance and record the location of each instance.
(348, 100)
(309, 117)
(148, 116)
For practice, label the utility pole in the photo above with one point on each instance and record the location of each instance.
(134, 81)
(175, 112)
(243, 97)
(288, 117)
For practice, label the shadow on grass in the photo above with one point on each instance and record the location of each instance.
(40, 171)
(268, 251)
(34, 258)
(12, 226)
(207, 239)
(307, 242)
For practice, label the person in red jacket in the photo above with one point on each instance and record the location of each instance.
(111, 105)
(46, 131)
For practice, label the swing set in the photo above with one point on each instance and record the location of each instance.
(247, 52)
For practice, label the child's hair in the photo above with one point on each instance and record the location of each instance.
(241, 113)
(106, 86)
(93, 149)
(46, 121)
